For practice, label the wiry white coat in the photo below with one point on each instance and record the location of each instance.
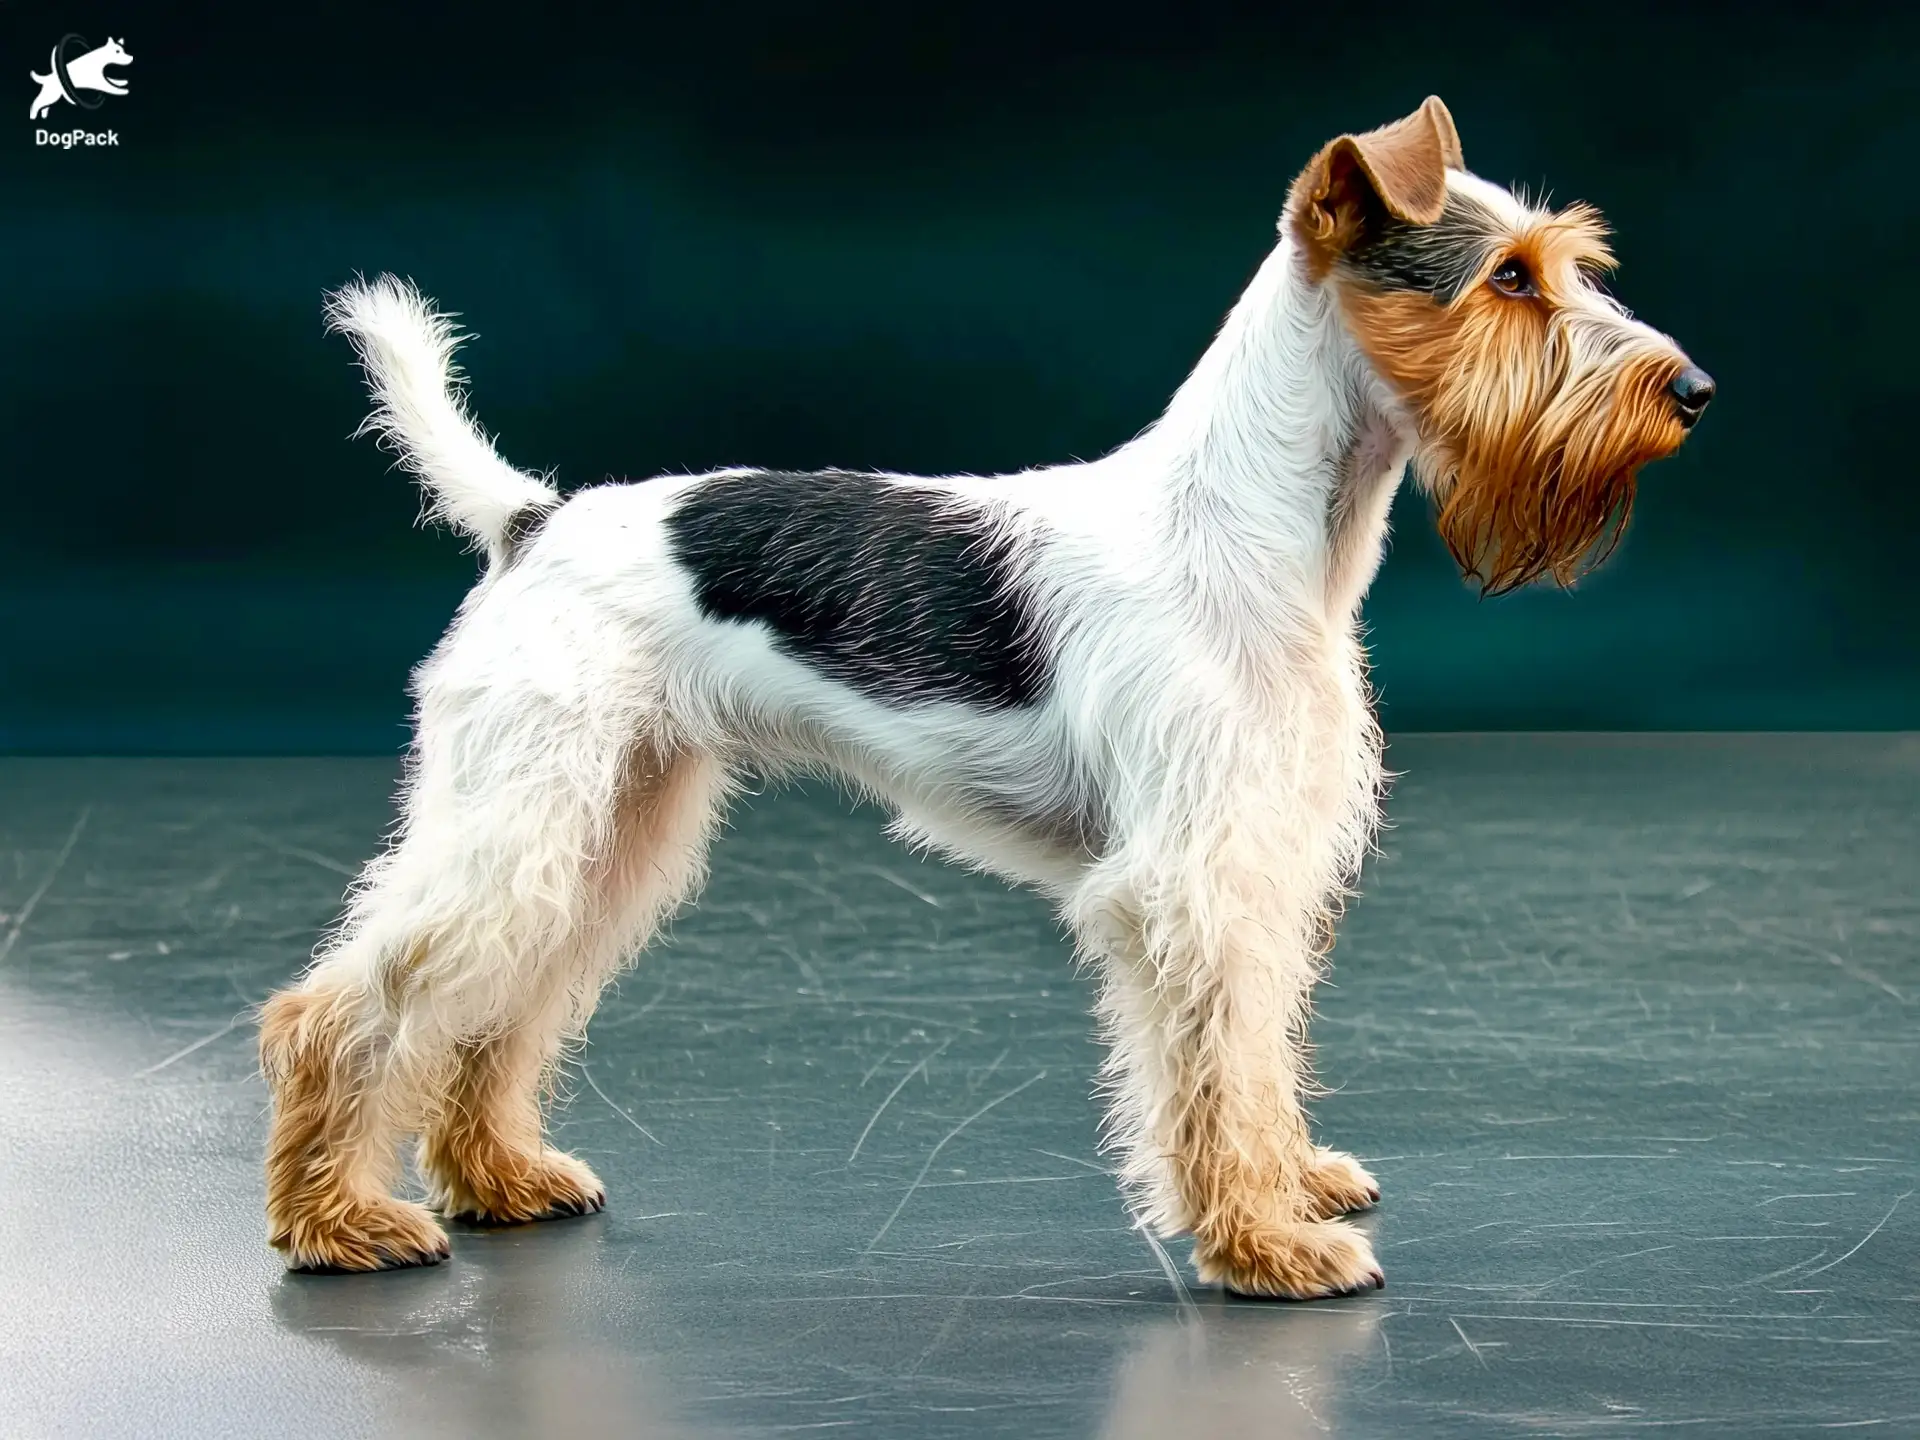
(1194, 792)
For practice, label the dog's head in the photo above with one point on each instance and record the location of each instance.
(113, 53)
(1533, 396)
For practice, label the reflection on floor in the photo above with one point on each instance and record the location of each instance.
(1626, 1026)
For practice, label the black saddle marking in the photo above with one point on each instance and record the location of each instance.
(895, 591)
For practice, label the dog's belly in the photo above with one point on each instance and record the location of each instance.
(1051, 853)
(990, 784)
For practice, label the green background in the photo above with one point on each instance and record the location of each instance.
(892, 237)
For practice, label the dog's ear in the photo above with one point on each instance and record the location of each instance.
(1399, 170)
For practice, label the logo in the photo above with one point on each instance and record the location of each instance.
(78, 76)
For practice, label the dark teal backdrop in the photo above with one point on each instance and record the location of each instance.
(923, 238)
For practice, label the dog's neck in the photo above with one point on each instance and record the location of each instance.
(1279, 460)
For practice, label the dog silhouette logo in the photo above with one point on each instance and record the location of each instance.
(79, 75)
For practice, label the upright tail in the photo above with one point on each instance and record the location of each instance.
(406, 348)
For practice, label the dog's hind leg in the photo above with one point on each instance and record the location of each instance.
(540, 841)
(327, 1049)
(483, 1154)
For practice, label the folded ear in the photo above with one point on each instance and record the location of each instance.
(1399, 170)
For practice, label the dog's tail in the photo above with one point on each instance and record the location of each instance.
(406, 348)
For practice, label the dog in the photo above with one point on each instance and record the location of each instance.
(1135, 684)
(87, 72)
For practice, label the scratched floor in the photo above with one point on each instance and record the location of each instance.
(1626, 1026)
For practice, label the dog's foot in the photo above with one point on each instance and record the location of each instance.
(382, 1234)
(1311, 1260)
(1337, 1184)
(549, 1186)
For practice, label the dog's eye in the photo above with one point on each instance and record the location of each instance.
(1512, 277)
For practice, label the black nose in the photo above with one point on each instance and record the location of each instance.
(1691, 389)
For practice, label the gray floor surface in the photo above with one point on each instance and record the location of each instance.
(1625, 1025)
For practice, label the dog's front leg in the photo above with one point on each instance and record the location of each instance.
(1205, 1003)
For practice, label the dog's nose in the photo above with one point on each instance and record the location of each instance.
(1691, 389)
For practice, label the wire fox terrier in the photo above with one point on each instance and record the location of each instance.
(1135, 684)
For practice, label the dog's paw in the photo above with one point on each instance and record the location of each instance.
(1312, 1260)
(550, 1186)
(1337, 1184)
(383, 1234)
